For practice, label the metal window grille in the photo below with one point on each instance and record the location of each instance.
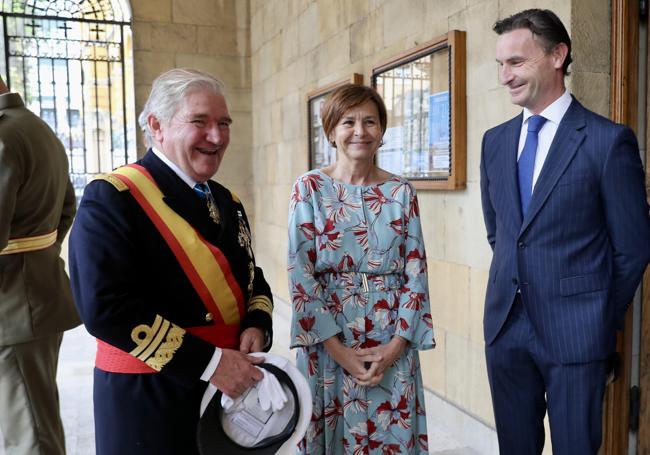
(71, 60)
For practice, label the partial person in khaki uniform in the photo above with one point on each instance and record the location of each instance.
(37, 204)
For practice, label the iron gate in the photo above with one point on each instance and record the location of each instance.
(71, 60)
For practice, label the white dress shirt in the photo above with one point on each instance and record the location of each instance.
(553, 114)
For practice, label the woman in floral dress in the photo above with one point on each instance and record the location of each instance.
(358, 281)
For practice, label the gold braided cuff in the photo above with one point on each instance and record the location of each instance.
(157, 344)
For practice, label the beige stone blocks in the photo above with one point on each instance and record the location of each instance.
(308, 29)
(465, 235)
(149, 65)
(360, 41)
(234, 72)
(592, 90)
(220, 40)
(152, 11)
(164, 37)
(466, 377)
(449, 296)
(401, 18)
(478, 279)
(211, 12)
(434, 365)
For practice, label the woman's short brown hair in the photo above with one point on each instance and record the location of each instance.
(345, 98)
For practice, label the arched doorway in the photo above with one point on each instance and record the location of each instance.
(71, 60)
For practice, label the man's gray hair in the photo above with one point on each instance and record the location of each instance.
(167, 92)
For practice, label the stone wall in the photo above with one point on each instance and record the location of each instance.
(210, 35)
(300, 45)
(271, 53)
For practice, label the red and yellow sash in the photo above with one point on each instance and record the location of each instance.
(203, 263)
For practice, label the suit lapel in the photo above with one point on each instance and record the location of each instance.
(510, 164)
(565, 144)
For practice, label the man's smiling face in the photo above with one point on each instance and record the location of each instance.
(196, 137)
(534, 77)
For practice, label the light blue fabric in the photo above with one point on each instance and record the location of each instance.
(357, 268)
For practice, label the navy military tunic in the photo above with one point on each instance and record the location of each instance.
(124, 277)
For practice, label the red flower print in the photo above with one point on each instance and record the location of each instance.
(415, 301)
(312, 364)
(414, 254)
(360, 232)
(333, 411)
(334, 305)
(415, 207)
(339, 207)
(300, 297)
(307, 323)
(397, 226)
(346, 263)
(396, 190)
(391, 413)
(308, 230)
(385, 313)
(403, 325)
(363, 439)
(428, 320)
(424, 442)
(328, 237)
(311, 255)
(295, 197)
(375, 199)
(390, 449)
(312, 182)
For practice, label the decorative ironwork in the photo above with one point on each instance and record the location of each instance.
(72, 62)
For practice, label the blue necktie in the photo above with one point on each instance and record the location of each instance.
(202, 190)
(526, 164)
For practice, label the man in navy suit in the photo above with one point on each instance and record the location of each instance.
(565, 209)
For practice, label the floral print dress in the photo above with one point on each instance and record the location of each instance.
(357, 270)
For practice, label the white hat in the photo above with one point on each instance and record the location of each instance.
(246, 427)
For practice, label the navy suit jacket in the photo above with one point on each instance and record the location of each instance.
(579, 253)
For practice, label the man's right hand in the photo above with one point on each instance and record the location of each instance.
(236, 373)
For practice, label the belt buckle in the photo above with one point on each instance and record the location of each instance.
(364, 279)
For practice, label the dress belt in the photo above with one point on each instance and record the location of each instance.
(367, 281)
(25, 244)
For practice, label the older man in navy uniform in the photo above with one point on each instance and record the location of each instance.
(164, 276)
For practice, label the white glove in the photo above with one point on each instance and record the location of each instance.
(226, 402)
(270, 393)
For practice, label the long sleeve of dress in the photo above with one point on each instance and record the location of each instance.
(312, 321)
(413, 317)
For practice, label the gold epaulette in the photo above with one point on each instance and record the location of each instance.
(117, 183)
(235, 198)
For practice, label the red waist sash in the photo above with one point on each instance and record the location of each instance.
(114, 360)
(204, 264)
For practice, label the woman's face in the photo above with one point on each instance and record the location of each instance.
(358, 133)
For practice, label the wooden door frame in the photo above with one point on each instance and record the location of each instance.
(624, 109)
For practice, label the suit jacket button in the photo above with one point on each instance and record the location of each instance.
(208, 317)
(521, 245)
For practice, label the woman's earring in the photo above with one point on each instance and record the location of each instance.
(381, 143)
(333, 144)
